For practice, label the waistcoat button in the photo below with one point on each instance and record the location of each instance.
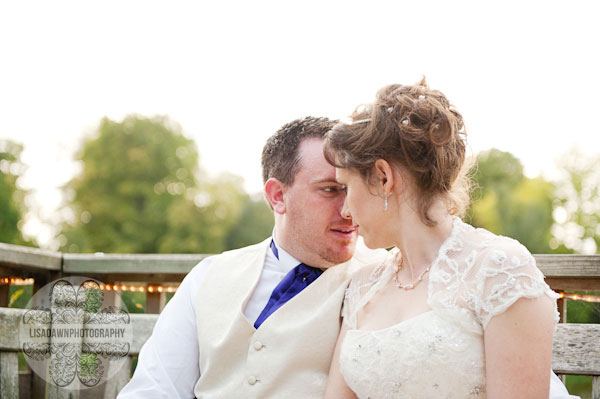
(252, 380)
(258, 345)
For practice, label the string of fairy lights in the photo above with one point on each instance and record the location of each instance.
(154, 288)
(579, 297)
(117, 287)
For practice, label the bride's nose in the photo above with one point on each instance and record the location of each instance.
(345, 210)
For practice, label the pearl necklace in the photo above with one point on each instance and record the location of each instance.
(409, 286)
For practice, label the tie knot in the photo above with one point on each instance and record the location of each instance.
(304, 272)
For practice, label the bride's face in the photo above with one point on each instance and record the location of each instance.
(365, 207)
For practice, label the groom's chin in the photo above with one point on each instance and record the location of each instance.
(340, 254)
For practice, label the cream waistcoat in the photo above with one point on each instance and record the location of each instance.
(289, 355)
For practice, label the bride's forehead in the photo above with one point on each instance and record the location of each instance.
(345, 174)
(341, 172)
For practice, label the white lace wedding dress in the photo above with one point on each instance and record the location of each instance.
(439, 353)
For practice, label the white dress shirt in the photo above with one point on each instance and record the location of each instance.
(167, 365)
(168, 362)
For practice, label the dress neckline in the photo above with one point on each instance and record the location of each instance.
(395, 325)
(385, 271)
(448, 244)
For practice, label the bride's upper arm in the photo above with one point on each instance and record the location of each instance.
(518, 350)
(517, 311)
(336, 385)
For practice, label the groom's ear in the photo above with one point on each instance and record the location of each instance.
(384, 176)
(274, 190)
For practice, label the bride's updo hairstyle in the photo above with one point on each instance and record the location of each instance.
(415, 128)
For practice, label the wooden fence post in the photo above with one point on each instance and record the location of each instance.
(561, 304)
(4, 290)
(9, 375)
(155, 301)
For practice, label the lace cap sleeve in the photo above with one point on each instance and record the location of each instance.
(349, 305)
(364, 284)
(508, 272)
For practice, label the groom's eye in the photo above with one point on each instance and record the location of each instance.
(334, 189)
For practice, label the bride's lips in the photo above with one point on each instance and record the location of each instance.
(344, 231)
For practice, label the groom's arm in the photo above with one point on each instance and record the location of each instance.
(168, 364)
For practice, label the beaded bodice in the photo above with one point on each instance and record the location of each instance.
(475, 276)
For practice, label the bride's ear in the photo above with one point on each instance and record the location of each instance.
(384, 177)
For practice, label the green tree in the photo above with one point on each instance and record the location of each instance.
(140, 190)
(577, 229)
(508, 203)
(12, 203)
(254, 224)
(213, 212)
(577, 204)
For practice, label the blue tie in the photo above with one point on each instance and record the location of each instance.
(295, 281)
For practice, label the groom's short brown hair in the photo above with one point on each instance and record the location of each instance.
(280, 153)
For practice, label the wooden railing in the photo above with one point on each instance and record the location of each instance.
(576, 349)
(46, 266)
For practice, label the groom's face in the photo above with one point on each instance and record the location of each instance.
(320, 235)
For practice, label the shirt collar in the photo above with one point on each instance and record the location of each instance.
(286, 261)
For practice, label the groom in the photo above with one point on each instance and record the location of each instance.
(262, 321)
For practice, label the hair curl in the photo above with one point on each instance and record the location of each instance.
(416, 128)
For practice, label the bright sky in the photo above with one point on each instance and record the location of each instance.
(524, 74)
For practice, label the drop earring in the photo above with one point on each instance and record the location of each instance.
(385, 204)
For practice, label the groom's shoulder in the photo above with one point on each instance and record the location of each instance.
(244, 251)
(200, 269)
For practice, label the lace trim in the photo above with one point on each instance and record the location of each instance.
(469, 262)
(508, 280)
(354, 300)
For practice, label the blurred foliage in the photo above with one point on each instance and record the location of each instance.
(508, 203)
(93, 300)
(12, 198)
(19, 296)
(577, 203)
(22, 361)
(255, 223)
(140, 190)
(583, 312)
(89, 365)
(135, 302)
(132, 174)
(201, 226)
(580, 385)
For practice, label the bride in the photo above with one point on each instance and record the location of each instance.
(455, 312)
